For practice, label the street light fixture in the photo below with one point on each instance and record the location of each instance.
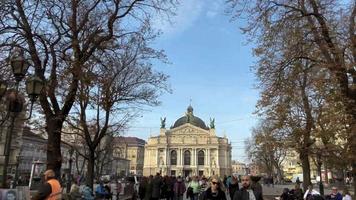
(70, 152)
(34, 87)
(19, 65)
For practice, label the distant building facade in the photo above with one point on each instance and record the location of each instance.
(253, 169)
(239, 168)
(188, 148)
(132, 149)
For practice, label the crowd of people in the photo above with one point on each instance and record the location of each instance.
(197, 188)
(177, 188)
(312, 194)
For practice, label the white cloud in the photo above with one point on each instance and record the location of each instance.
(186, 14)
(213, 9)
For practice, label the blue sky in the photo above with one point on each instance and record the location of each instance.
(210, 64)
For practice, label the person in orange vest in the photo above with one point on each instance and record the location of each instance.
(51, 189)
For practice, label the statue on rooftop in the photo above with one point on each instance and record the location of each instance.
(212, 123)
(163, 122)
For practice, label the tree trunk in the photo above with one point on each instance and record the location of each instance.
(54, 157)
(91, 165)
(304, 157)
(279, 174)
(350, 101)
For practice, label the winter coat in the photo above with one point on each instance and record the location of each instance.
(209, 195)
(243, 194)
(87, 193)
(156, 187)
(233, 187)
(148, 190)
(195, 185)
(179, 188)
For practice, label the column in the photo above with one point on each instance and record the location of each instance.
(180, 156)
(157, 159)
(194, 154)
(168, 155)
(218, 162)
(209, 159)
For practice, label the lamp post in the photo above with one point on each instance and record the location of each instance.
(70, 151)
(320, 163)
(17, 170)
(34, 86)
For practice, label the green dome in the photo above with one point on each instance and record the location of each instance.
(190, 118)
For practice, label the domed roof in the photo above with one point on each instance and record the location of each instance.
(190, 118)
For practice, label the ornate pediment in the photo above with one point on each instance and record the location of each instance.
(188, 129)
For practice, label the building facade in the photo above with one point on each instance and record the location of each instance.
(132, 149)
(188, 148)
(239, 168)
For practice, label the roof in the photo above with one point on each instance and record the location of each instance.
(28, 133)
(130, 141)
(191, 119)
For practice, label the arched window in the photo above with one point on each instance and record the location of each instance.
(174, 157)
(187, 157)
(201, 157)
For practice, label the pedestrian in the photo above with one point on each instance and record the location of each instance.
(334, 195)
(286, 195)
(214, 191)
(297, 192)
(194, 184)
(114, 189)
(203, 184)
(74, 191)
(100, 191)
(346, 194)
(297, 181)
(246, 192)
(156, 187)
(225, 181)
(310, 193)
(142, 188)
(179, 189)
(51, 189)
(233, 186)
(170, 184)
(87, 193)
(164, 188)
(148, 188)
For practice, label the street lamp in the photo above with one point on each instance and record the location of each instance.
(19, 65)
(320, 163)
(34, 86)
(70, 151)
(18, 161)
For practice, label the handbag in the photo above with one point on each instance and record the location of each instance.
(189, 192)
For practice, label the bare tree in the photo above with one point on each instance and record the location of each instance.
(108, 98)
(267, 148)
(328, 29)
(61, 38)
